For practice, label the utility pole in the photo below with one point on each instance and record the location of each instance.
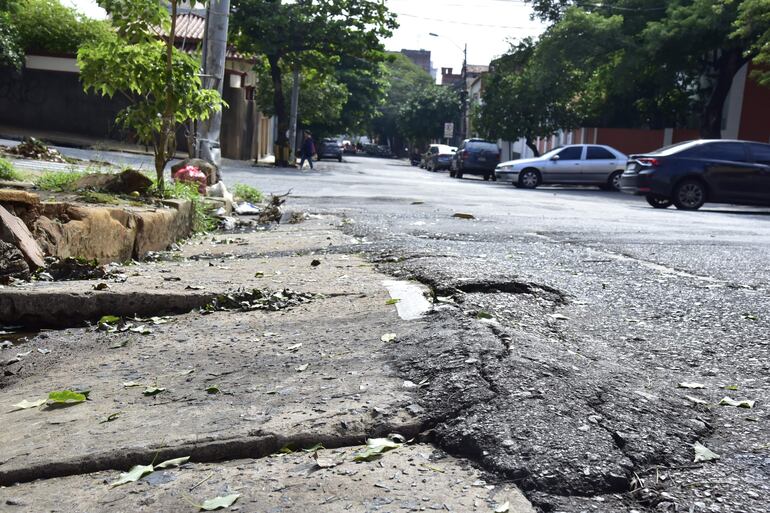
(215, 53)
(293, 116)
(464, 96)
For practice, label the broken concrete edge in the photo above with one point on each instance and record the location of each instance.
(211, 451)
(103, 233)
(46, 309)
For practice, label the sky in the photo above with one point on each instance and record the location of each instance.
(486, 26)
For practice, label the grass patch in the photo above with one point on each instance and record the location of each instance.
(98, 197)
(58, 181)
(8, 172)
(247, 193)
(203, 219)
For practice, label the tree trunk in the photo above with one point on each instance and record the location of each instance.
(727, 66)
(279, 106)
(532, 146)
(163, 148)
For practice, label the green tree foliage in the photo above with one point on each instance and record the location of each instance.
(753, 25)
(11, 52)
(422, 117)
(161, 82)
(322, 96)
(403, 78)
(672, 62)
(286, 33)
(366, 88)
(49, 27)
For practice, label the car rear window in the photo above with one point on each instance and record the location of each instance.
(482, 146)
(761, 153)
(731, 151)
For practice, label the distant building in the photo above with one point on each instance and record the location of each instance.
(422, 59)
(448, 78)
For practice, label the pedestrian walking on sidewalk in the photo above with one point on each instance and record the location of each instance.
(307, 151)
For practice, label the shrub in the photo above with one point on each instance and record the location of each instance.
(247, 193)
(48, 26)
(8, 172)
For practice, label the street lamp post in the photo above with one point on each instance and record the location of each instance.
(464, 90)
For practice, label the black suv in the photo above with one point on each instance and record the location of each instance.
(475, 157)
(691, 173)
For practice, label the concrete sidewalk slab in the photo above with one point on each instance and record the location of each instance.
(319, 371)
(410, 478)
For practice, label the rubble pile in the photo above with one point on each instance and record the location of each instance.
(31, 148)
(259, 299)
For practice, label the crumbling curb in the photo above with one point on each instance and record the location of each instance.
(62, 309)
(205, 451)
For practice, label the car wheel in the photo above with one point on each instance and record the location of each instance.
(658, 201)
(613, 182)
(486, 177)
(529, 179)
(689, 195)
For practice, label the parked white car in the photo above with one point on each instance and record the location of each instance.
(583, 164)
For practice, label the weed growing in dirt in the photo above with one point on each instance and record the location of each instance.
(247, 193)
(8, 172)
(203, 220)
(58, 181)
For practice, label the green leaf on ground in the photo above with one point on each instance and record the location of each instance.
(26, 405)
(65, 398)
(376, 447)
(503, 508)
(392, 301)
(109, 319)
(315, 448)
(484, 315)
(153, 390)
(110, 418)
(695, 400)
(727, 401)
(703, 453)
(135, 474)
(219, 502)
(213, 389)
(173, 463)
(732, 388)
(750, 317)
(388, 337)
(691, 386)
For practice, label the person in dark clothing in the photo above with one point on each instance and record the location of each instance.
(307, 151)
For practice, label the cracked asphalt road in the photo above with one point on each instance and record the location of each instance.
(570, 316)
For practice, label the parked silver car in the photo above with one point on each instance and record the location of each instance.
(584, 164)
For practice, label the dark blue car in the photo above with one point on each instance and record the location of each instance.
(692, 173)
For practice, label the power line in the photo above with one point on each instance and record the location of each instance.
(468, 23)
